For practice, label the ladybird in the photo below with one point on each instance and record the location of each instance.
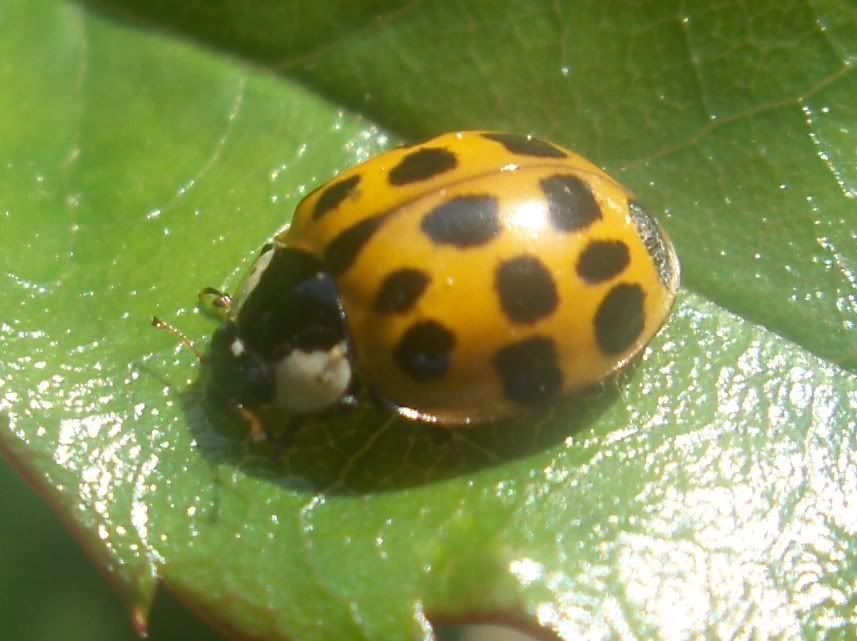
(460, 280)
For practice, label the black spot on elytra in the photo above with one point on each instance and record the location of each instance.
(343, 250)
(423, 351)
(464, 221)
(400, 291)
(526, 145)
(422, 164)
(529, 370)
(620, 318)
(571, 205)
(334, 195)
(603, 260)
(655, 242)
(526, 289)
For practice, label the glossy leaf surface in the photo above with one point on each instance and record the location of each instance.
(709, 492)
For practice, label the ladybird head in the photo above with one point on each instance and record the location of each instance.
(284, 341)
(237, 375)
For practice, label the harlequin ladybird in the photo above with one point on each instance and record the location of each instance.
(461, 280)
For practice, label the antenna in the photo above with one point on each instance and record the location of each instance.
(157, 323)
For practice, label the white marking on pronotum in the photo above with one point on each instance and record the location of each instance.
(310, 381)
(254, 276)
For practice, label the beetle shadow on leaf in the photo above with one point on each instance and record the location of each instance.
(369, 449)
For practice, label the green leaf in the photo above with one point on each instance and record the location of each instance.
(708, 493)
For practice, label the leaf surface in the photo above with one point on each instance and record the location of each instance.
(709, 492)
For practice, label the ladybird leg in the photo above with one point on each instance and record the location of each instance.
(220, 301)
(255, 430)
